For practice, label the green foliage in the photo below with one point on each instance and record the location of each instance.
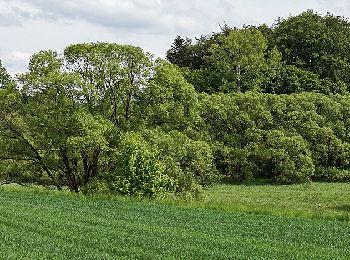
(138, 170)
(68, 122)
(233, 60)
(332, 175)
(272, 155)
(319, 44)
(49, 128)
(187, 161)
(152, 163)
(104, 116)
(282, 138)
(180, 52)
(169, 101)
(44, 63)
(291, 79)
(238, 60)
(5, 78)
(288, 157)
(303, 53)
(114, 76)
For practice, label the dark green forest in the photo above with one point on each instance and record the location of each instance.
(246, 104)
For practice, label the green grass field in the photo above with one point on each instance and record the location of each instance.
(55, 225)
(324, 200)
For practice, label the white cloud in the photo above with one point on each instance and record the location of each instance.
(32, 25)
(150, 16)
(18, 55)
(15, 61)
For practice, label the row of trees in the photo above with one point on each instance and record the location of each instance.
(105, 117)
(308, 52)
(284, 138)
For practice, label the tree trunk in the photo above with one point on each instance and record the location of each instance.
(90, 167)
(70, 172)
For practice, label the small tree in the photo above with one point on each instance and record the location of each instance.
(138, 169)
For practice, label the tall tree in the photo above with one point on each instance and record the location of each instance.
(5, 78)
(239, 60)
(114, 76)
(180, 52)
(319, 44)
(47, 126)
(170, 101)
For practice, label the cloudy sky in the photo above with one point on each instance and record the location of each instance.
(27, 26)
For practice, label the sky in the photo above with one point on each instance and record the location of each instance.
(28, 26)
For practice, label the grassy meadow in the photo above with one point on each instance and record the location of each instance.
(323, 200)
(297, 222)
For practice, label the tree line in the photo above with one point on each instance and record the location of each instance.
(239, 105)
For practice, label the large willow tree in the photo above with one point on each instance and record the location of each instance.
(63, 123)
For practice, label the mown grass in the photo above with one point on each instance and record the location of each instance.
(50, 225)
(321, 200)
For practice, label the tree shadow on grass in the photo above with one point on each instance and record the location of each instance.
(257, 182)
(345, 207)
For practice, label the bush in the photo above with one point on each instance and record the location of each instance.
(187, 161)
(243, 132)
(234, 164)
(153, 163)
(272, 155)
(332, 175)
(290, 158)
(138, 170)
(96, 186)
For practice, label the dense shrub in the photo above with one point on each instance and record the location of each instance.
(152, 163)
(289, 158)
(332, 175)
(138, 170)
(273, 155)
(187, 161)
(234, 163)
(279, 137)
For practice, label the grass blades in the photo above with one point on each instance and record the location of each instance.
(320, 200)
(35, 225)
